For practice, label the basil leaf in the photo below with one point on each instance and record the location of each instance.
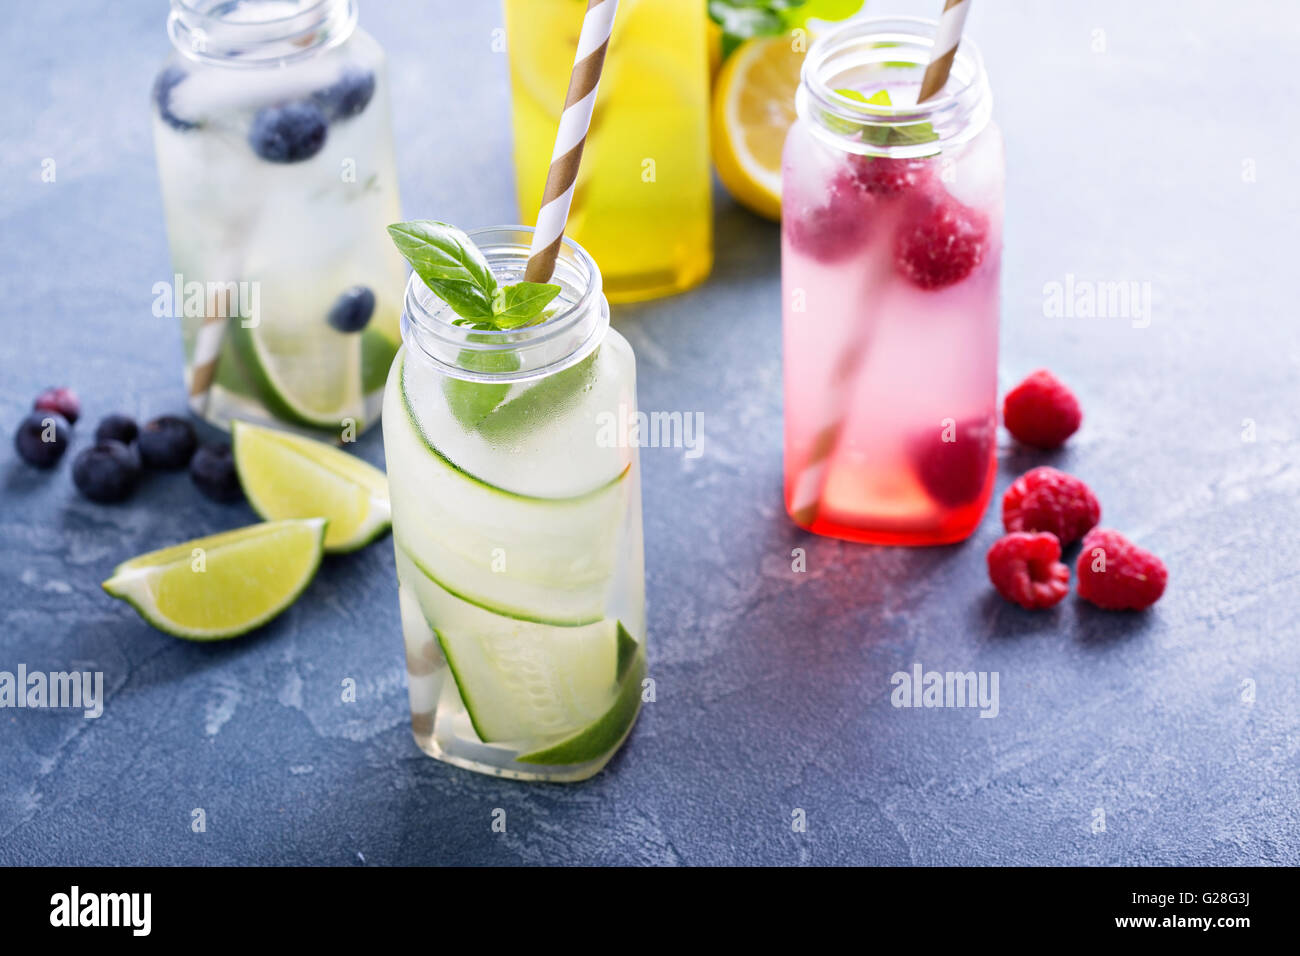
(800, 14)
(883, 136)
(522, 304)
(743, 19)
(450, 265)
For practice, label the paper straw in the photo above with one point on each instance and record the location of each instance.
(946, 39)
(570, 138)
(207, 352)
(810, 483)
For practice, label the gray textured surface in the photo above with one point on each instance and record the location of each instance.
(772, 686)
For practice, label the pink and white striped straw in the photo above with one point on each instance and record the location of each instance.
(570, 138)
(810, 483)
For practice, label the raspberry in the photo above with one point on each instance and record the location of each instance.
(1041, 411)
(882, 176)
(1115, 574)
(955, 472)
(61, 400)
(1026, 569)
(1044, 499)
(836, 227)
(940, 242)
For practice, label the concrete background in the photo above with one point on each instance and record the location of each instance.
(1150, 142)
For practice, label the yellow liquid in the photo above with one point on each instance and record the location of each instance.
(642, 206)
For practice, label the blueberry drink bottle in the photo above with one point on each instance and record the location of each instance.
(275, 156)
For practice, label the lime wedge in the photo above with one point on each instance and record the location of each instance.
(539, 403)
(605, 733)
(377, 351)
(288, 476)
(223, 585)
(307, 378)
(471, 401)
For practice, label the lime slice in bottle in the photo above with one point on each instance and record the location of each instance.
(538, 404)
(606, 732)
(377, 351)
(223, 585)
(288, 476)
(308, 377)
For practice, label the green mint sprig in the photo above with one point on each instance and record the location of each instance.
(457, 272)
(913, 134)
(743, 19)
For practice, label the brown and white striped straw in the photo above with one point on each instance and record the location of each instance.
(810, 483)
(207, 351)
(570, 138)
(946, 38)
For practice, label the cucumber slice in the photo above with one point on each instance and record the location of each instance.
(519, 681)
(545, 560)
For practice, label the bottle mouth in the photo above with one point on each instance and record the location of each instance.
(580, 317)
(255, 33)
(892, 53)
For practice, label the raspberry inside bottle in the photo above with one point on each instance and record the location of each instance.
(891, 254)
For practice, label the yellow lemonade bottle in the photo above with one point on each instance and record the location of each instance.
(642, 206)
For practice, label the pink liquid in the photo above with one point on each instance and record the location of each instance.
(890, 308)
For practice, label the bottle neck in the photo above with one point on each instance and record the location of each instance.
(857, 59)
(435, 334)
(258, 33)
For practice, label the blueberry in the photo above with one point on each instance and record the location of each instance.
(348, 95)
(61, 400)
(352, 310)
(168, 80)
(167, 442)
(117, 428)
(108, 471)
(289, 133)
(42, 438)
(213, 471)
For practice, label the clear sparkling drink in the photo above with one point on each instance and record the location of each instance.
(891, 251)
(275, 156)
(517, 527)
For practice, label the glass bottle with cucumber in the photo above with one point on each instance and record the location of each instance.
(518, 533)
(275, 156)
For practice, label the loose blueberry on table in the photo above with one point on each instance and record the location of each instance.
(42, 438)
(106, 472)
(167, 442)
(117, 427)
(213, 471)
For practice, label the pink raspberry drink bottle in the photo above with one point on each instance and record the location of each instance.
(890, 261)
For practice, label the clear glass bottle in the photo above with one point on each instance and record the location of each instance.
(517, 525)
(275, 154)
(890, 261)
(643, 202)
